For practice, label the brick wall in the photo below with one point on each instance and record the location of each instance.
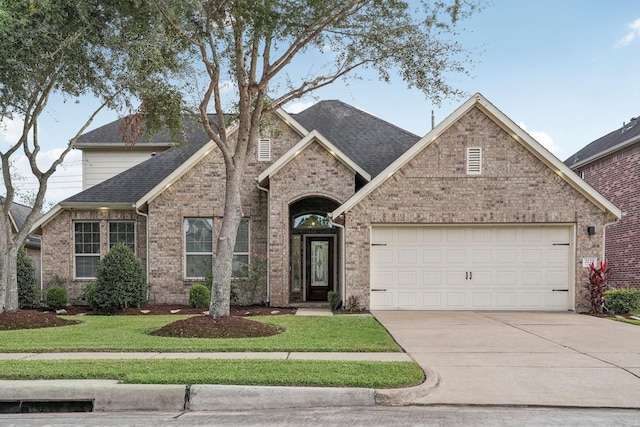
(58, 244)
(200, 193)
(617, 177)
(314, 172)
(433, 188)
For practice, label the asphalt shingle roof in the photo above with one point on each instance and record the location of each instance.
(625, 133)
(131, 185)
(367, 140)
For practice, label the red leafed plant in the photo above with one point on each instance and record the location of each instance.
(597, 286)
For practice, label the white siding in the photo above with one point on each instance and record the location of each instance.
(100, 165)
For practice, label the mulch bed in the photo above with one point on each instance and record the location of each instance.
(233, 326)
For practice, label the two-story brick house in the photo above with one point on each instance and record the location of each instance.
(610, 165)
(474, 215)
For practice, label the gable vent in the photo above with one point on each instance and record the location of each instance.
(264, 150)
(474, 161)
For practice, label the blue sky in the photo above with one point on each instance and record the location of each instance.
(567, 71)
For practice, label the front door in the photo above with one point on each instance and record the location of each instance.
(319, 258)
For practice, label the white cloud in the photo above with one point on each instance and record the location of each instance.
(543, 138)
(634, 32)
(10, 130)
(64, 183)
(298, 106)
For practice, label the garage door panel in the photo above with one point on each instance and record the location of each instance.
(471, 268)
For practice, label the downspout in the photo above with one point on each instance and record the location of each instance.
(343, 259)
(266, 190)
(146, 217)
(604, 233)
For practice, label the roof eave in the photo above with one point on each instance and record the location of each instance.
(605, 153)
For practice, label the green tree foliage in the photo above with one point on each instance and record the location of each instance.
(120, 281)
(113, 50)
(271, 52)
(28, 292)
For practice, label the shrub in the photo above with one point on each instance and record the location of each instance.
(244, 290)
(89, 295)
(354, 304)
(56, 298)
(334, 300)
(199, 296)
(120, 281)
(28, 292)
(623, 300)
(597, 286)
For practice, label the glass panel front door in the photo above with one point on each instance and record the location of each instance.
(319, 271)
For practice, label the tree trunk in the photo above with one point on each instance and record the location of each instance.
(222, 264)
(8, 269)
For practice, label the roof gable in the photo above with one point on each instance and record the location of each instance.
(311, 137)
(619, 139)
(504, 122)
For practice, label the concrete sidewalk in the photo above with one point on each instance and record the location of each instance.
(509, 358)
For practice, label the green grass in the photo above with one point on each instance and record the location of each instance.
(633, 322)
(206, 371)
(128, 333)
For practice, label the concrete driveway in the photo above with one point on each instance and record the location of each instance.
(514, 358)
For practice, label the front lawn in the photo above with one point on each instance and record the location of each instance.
(207, 371)
(127, 333)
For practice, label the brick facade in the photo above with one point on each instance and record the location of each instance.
(314, 172)
(617, 177)
(58, 244)
(433, 188)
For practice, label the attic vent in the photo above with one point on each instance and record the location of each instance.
(264, 150)
(474, 161)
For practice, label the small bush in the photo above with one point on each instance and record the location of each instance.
(622, 300)
(334, 300)
(199, 296)
(89, 295)
(56, 298)
(120, 281)
(28, 292)
(354, 303)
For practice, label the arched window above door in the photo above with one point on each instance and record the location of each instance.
(311, 221)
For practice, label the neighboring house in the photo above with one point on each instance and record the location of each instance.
(610, 165)
(18, 215)
(474, 215)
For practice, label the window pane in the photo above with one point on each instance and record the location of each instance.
(296, 263)
(199, 235)
(86, 266)
(122, 232)
(87, 238)
(242, 238)
(240, 265)
(198, 265)
(311, 221)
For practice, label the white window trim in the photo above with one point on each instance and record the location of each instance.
(76, 255)
(248, 252)
(184, 247)
(135, 231)
(264, 150)
(474, 160)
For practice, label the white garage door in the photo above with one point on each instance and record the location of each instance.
(471, 268)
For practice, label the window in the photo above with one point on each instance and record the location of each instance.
(86, 248)
(581, 174)
(474, 161)
(198, 247)
(241, 249)
(122, 232)
(264, 150)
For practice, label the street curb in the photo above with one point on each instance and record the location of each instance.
(409, 396)
(106, 395)
(229, 397)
